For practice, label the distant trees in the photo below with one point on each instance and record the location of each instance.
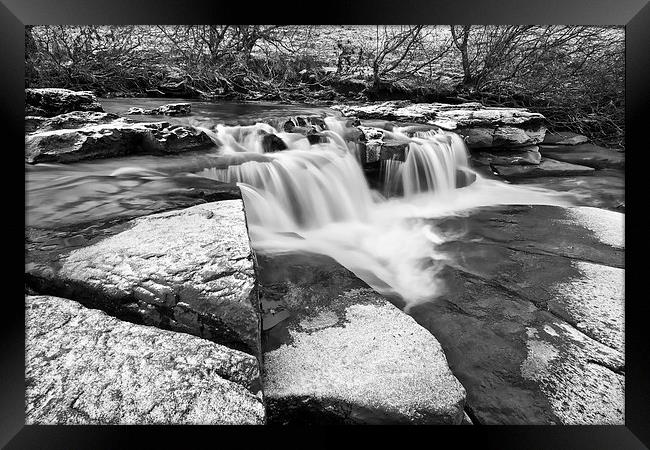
(573, 74)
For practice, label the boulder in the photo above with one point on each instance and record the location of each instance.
(532, 331)
(188, 270)
(71, 120)
(85, 367)
(336, 352)
(272, 143)
(565, 138)
(113, 139)
(393, 150)
(48, 102)
(586, 155)
(170, 109)
(481, 126)
(508, 157)
(546, 168)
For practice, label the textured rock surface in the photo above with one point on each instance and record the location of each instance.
(532, 318)
(586, 154)
(117, 138)
(336, 352)
(85, 367)
(170, 109)
(565, 138)
(479, 125)
(546, 168)
(189, 270)
(50, 102)
(72, 120)
(523, 156)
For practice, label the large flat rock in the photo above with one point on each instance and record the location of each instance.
(546, 168)
(117, 138)
(531, 319)
(336, 352)
(481, 126)
(71, 120)
(586, 154)
(565, 138)
(85, 367)
(189, 270)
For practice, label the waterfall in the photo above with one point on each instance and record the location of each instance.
(315, 198)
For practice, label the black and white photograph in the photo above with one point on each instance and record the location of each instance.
(325, 225)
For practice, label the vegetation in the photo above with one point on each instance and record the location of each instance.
(574, 75)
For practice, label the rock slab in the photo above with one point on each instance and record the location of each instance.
(117, 138)
(480, 126)
(337, 352)
(531, 319)
(546, 168)
(85, 367)
(188, 270)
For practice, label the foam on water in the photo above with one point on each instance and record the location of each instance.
(316, 199)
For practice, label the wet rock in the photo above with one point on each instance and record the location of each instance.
(170, 109)
(412, 130)
(188, 270)
(48, 102)
(315, 137)
(347, 355)
(480, 126)
(593, 302)
(546, 168)
(521, 156)
(531, 317)
(85, 367)
(565, 138)
(393, 150)
(72, 120)
(272, 143)
(117, 138)
(580, 377)
(603, 189)
(589, 155)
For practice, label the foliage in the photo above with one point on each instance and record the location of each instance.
(572, 74)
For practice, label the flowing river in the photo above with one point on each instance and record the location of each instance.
(311, 197)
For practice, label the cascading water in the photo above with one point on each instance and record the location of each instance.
(315, 198)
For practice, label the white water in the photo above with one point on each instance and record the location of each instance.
(316, 199)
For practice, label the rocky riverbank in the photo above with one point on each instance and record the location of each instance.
(168, 315)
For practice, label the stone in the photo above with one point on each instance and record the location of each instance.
(521, 156)
(477, 137)
(546, 168)
(113, 139)
(50, 102)
(74, 120)
(189, 270)
(393, 150)
(170, 109)
(589, 155)
(531, 317)
(85, 367)
(481, 126)
(32, 123)
(272, 143)
(565, 138)
(344, 354)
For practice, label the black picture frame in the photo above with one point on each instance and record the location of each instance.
(634, 14)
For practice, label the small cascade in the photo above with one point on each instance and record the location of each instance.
(434, 162)
(314, 197)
